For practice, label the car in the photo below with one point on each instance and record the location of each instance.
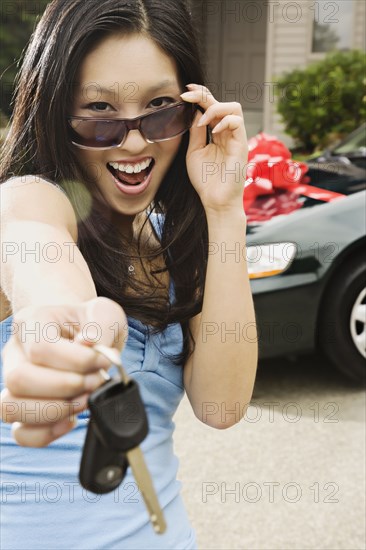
(342, 167)
(306, 257)
(308, 273)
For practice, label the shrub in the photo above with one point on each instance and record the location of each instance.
(17, 22)
(325, 101)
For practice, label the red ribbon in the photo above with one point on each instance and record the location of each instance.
(275, 181)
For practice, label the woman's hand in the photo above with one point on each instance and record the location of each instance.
(49, 372)
(217, 170)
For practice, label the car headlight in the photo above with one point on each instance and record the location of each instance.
(267, 260)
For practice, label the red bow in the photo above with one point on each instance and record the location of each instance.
(272, 173)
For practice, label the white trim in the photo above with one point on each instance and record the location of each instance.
(354, 25)
(267, 106)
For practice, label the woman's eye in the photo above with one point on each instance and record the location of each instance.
(162, 101)
(99, 106)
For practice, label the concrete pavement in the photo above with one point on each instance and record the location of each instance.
(291, 475)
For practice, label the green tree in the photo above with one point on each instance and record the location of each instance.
(326, 100)
(17, 23)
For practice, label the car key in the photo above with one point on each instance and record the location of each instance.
(118, 424)
(101, 470)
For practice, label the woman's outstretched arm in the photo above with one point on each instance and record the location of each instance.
(53, 298)
(40, 262)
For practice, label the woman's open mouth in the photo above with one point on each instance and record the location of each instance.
(132, 179)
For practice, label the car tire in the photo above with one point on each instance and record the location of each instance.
(343, 304)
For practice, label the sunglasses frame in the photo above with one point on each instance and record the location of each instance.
(133, 124)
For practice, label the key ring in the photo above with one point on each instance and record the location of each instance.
(112, 356)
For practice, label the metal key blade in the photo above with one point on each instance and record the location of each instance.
(144, 482)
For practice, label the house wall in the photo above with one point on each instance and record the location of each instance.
(360, 25)
(289, 44)
(234, 53)
(198, 11)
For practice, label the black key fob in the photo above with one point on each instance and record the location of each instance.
(119, 415)
(101, 469)
(118, 423)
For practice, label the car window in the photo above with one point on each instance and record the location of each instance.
(355, 143)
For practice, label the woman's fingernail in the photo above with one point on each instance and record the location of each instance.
(217, 128)
(202, 121)
(81, 402)
(79, 339)
(191, 85)
(93, 381)
(188, 94)
(102, 362)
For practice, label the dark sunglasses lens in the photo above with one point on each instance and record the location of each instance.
(94, 133)
(168, 123)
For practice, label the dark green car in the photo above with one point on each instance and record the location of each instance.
(308, 277)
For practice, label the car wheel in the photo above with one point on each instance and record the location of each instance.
(342, 325)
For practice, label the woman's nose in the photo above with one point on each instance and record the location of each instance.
(134, 141)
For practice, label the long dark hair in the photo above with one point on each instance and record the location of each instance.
(38, 144)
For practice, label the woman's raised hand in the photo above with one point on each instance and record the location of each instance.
(49, 372)
(217, 170)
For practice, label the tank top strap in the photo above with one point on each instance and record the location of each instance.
(157, 221)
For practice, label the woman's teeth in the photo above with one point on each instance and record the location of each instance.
(131, 168)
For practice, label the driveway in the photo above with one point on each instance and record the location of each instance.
(291, 475)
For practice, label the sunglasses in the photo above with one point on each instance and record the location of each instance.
(161, 125)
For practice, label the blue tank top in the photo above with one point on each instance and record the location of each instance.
(43, 506)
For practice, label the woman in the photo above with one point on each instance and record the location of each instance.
(132, 220)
